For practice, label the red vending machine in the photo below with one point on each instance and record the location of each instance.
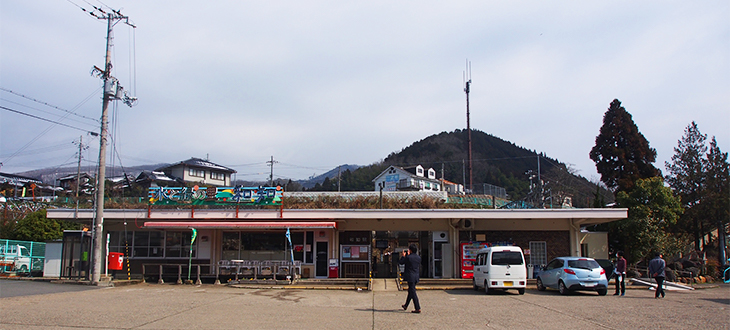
(468, 255)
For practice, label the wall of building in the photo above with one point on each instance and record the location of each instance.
(597, 244)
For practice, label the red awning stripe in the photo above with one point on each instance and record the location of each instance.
(240, 224)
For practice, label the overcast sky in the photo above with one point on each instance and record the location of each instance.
(317, 84)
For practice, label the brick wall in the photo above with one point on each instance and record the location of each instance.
(557, 242)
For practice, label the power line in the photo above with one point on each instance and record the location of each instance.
(44, 119)
(47, 104)
(43, 111)
(44, 149)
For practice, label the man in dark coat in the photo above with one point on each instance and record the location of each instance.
(411, 273)
(656, 270)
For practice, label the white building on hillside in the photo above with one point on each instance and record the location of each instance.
(414, 178)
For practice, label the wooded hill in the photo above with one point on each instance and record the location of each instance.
(495, 161)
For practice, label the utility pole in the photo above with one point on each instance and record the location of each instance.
(112, 91)
(467, 84)
(78, 173)
(539, 181)
(271, 176)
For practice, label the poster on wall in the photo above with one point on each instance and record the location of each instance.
(355, 253)
(345, 252)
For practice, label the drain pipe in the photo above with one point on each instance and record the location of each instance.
(575, 231)
(454, 247)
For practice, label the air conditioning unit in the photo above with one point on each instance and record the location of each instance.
(440, 236)
(466, 224)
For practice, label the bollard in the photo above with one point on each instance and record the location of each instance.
(160, 281)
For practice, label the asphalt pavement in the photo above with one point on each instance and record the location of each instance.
(170, 306)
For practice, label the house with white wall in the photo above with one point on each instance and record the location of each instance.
(196, 170)
(414, 178)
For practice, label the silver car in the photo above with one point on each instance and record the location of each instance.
(571, 274)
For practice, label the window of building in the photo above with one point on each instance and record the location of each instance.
(538, 252)
(267, 246)
(254, 246)
(148, 244)
(177, 244)
(152, 244)
(217, 176)
(196, 172)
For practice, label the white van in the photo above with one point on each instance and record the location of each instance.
(500, 267)
(15, 257)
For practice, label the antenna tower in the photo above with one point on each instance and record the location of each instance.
(467, 85)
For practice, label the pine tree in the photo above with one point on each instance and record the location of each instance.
(716, 195)
(686, 177)
(622, 154)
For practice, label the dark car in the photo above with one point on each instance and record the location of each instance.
(607, 265)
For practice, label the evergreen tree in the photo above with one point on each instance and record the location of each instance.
(622, 154)
(686, 177)
(653, 209)
(38, 228)
(716, 195)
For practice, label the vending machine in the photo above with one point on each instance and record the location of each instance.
(468, 256)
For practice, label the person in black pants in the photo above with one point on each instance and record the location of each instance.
(620, 272)
(656, 270)
(412, 263)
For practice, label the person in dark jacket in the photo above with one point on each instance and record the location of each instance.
(620, 273)
(656, 270)
(412, 263)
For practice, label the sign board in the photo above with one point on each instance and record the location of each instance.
(215, 195)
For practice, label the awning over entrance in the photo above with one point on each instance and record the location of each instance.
(239, 224)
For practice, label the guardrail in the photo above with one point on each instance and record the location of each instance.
(259, 269)
(161, 270)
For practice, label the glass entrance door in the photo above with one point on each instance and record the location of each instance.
(438, 262)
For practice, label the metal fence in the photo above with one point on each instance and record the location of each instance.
(21, 257)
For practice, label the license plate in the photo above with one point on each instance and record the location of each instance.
(507, 283)
(589, 284)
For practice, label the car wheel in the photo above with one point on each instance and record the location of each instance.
(486, 288)
(474, 282)
(602, 292)
(562, 289)
(540, 286)
(23, 269)
(521, 291)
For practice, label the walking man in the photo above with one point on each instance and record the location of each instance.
(656, 270)
(620, 273)
(412, 263)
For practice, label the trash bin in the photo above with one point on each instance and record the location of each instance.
(530, 273)
(115, 260)
(334, 269)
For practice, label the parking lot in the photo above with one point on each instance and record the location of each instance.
(169, 306)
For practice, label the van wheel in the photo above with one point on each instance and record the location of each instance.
(487, 290)
(540, 286)
(521, 291)
(23, 269)
(474, 282)
(562, 289)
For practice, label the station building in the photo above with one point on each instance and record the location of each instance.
(360, 243)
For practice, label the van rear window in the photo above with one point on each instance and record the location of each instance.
(506, 258)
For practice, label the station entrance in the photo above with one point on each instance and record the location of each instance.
(387, 247)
